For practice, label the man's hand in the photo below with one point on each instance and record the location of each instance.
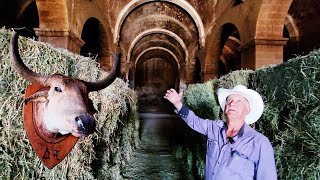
(174, 98)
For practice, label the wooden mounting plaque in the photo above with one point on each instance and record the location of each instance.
(51, 149)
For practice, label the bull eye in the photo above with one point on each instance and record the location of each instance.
(57, 89)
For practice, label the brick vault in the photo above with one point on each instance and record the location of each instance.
(169, 44)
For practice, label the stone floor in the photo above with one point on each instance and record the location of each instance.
(153, 159)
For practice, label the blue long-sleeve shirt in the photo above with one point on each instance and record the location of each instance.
(248, 156)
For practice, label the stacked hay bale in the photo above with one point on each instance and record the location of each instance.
(117, 118)
(291, 118)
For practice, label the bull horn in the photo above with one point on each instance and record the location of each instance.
(19, 66)
(96, 86)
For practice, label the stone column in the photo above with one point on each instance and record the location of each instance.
(210, 71)
(182, 82)
(210, 65)
(189, 74)
(105, 60)
(62, 38)
(261, 52)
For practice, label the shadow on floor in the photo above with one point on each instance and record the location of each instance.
(153, 159)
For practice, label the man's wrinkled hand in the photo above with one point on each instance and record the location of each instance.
(175, 98)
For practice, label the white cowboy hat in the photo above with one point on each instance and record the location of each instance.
(254, 99)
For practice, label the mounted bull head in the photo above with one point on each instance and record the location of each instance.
(67, 106)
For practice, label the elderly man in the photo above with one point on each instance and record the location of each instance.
(234, 149)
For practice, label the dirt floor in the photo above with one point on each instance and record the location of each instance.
(153, 159)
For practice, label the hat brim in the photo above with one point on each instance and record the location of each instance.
(254, 99)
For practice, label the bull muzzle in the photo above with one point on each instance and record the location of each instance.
(85, 123)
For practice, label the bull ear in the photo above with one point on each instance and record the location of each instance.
(41, 96)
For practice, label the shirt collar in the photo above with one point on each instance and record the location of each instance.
(222, 124)
(245, 130)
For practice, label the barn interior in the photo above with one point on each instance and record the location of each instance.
(170, 44)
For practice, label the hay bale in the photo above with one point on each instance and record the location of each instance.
(117, 131)
(292, 89)
(17, 159)
(291, 119)
(202, 99)
(294, 83)
(23, 162)
(235, 78)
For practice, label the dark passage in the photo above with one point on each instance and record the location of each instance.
(154, 158)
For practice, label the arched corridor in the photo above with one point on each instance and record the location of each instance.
(154, 159)
(167, 44)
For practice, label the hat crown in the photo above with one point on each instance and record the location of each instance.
(254, 99)
(240, 87)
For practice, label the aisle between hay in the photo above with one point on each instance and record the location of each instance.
(154, 159)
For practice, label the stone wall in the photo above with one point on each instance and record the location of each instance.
(186, 30)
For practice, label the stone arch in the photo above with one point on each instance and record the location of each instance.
(91, 12)
(150, 82)
(23, 7)
(266, 44)
(211, 58)
(230, 56)
(181, 3)
(157, 48)
(160, 31)
(99, 41)
(292, 28)
(163, 43)
(28, 17)
(290, 32)
(176, 65)
(270, 22)
(91, 35)
(57, 10)
(168, 18)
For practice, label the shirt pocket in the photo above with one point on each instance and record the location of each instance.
(212, 147)
(241, 165)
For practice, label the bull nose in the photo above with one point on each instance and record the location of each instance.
(85, 123)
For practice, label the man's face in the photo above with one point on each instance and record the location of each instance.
(236, 108)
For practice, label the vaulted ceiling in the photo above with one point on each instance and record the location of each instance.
(167, 30)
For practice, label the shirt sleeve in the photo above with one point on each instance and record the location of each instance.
(266, 167)
(193, 121)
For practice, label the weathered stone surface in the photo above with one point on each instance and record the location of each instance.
(189, 29)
